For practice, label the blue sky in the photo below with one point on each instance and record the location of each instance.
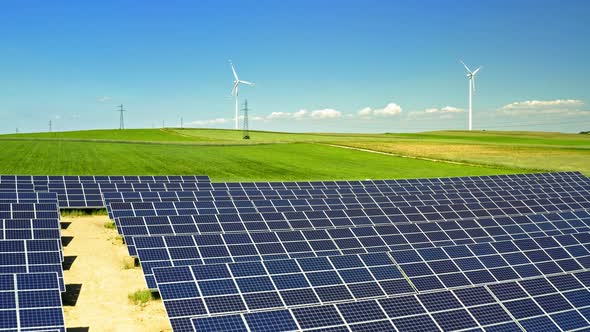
(362, 66)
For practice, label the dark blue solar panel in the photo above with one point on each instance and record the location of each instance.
(31, 301)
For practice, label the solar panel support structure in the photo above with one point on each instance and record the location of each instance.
(245, 129)
(121, 119)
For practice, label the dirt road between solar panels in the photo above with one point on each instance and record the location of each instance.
(102, 267)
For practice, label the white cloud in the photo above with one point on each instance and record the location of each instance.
(104, 99)
(451, 109)
(536, 104)
(279, 115)
(205, 123)
(390, 109)
(365, 111)
(444, 112)
(327, 113)
(300, 114)
(544, 107)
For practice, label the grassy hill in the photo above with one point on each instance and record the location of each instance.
(288, 156)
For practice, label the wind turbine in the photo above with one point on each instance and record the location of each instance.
(471, 76)
(235, 90)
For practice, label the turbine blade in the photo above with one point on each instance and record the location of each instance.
(475, 72)
(233, 70)
(246, 82)
(473, 82)
(464, 65)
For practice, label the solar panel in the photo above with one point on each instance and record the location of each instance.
(30, 256)
(200, 178)
(29, 211)
(216, 195)
(448, 310)
(465, 181)
(378, 232)
(267, 193)
(31, 302)
(474, 309)
(383, 203)
(89, 195)
(16, 187)
(104, 179)
(25, 229)
(27, 197)
(73, 195)
(165, 251)
(232, 257)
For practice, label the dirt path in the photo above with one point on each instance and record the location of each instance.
(106, 281)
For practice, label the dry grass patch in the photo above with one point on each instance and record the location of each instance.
(522, 157)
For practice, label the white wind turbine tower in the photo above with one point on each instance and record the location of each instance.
(471, 76)
(235, 90)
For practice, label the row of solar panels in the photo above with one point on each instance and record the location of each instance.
(39, 179)
(204, 178)
(87, 191)
(31, 257)
(230, 268)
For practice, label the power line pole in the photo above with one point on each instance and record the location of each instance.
(50, 129)
(246, 131)
(121, 119)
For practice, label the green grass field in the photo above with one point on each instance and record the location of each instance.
(224, 156)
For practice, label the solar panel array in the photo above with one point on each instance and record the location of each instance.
(494, 253)
(31, 257)
(86, 191)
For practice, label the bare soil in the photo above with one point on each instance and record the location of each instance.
(107, 275)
